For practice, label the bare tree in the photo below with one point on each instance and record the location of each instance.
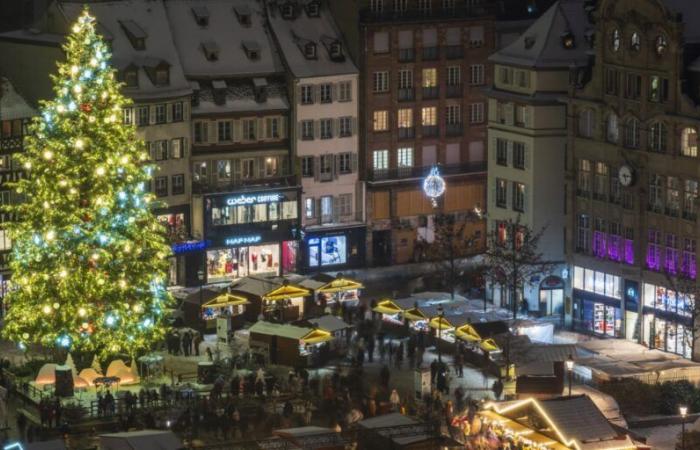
(512, 257)
(687, 291)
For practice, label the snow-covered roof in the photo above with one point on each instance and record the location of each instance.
(240, 97)
(12, 104)
(294, 34)
(141, 440)
(222, 26)
(142, 19)
(542, 45)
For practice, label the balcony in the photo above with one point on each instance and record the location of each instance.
(431, 92)
(407, 54)
(431, 53)
(454, 129)
(420, 15)
(406, 94)
(430, 131)
(403, 173)
(207, 187)
(454, 51)
(407, 132)
(454, 90)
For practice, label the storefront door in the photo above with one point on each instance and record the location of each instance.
(552, 302)
(381, 247)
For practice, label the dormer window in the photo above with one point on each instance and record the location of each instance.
(162, 76)
(211, 50)
(287, 10)
(635, 42)
(336, 50)
(567, 40)
(135, 34)
(310, 50)
(313, 9)
(252, 50)
(201, 15)
(243, 14)
(131, 76)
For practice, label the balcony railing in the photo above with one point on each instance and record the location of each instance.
(461, 11)
(431, 53)
(454, 129)
(208, 187)
(430, 131)
(423, 171)
(406, 94)
(431, 92)
(407, 54)
(407, 132)
(454, 51)
(454, 90)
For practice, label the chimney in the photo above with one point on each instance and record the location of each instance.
(195, 93)
(260, 88)
(219, 88)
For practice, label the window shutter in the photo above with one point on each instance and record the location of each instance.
(317, 208)
(298, 94)
(336, 208)
(525, 202)
(353, 162)
(317, 168)
(184, 150)
(285, 165)
(185, 111)
(166, 148)
(317, 128)
(236, 169)
(261, 167)
(334, 92)
(526, 155)
(169, 112)
(333, 130)
(283, 128)
(509, 153)
(508, 111)
(152, 114)
(336, 165)
(259, 128)
(300, 130)
(353, 122)
(526, 117)
(211, 128)
(151, 150)
(492, 200)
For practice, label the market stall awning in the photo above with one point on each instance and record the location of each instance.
(340, 285)
(440, 323)
(489, 345)
(286, 292)
(224, 300)
(467, 333)
(414, 314)
(523, 431)
(317, 336)
(387, 307)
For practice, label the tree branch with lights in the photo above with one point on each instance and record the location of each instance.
(89, 257)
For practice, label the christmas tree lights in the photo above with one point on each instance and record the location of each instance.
(89, 257)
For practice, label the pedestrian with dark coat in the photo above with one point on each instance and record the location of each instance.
(370, 348)
(459, 363)
(433, 370)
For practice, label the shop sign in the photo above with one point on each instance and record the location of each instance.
(251, 199)
(190, 246)
(253, 239)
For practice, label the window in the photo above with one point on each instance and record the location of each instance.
(143, 116)
(345, 126)
(660, 44)
(632, 133)
(326, 128)
(5, 241)
(381, 42)
(476, 113)
(131, 78)
(248, 168)
(453, 115)
(160, 150)
(585, 123)
(673, 196)
(309, 204)
(476, 36)
(612, 81)
(344, 163)
(635, 42)
(160, 113)
(345, 204)
(224, 129)
(405, 79)
(345, 91)
(629, 246)
(178, 112)
(128, 116)
(690, 200)
(307, 166)
(376, 6)
(271, 166)
(633, 86)
(400, 5)
(380, 160)
(425, 6)
(476, 72)
(600, 184)
(612, 129)
(380, 81)
(326, 94)
(405, 118)
(404, 157)
(583, 233)
(272, 128)
(656, 193)
(522, 77)
(161, 186)
(505, 75)
(326, 167)
(671, 257)
(599, 237)
(521, 115)
(307, 130)
(307, 94)
(689, 263)
(429, 77)
(501, 193)
(689, 142)
(200, 171)
(614, 242)
(658, 89)
(615, 39)
(454, 76)
(615, 189)
(249, 129)
(200, 132)
(583, 179)
(223, 170)
(658, 137)
(519, 197)
(380, 121)
(178, 184)
(519, 155)
(501, 152)
(429, 116)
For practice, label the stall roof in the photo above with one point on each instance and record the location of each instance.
(329, 323)
(141, 440)
(387, 306)
(317, 336)
(225, 299)
(279, 329)
(490, 329)
(286, 291)
(312, 437)
(383, 425)
(268, 288)
(341, 285)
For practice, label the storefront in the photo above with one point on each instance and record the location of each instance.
(330, 291)
(667, 320)
(551, 296)
(251, 234)
(598, 302)
(175, 220)
(330, 250)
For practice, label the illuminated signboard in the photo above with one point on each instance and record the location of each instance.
(253, 239)
(251, 199)
(190, 246)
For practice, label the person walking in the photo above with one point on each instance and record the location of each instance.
(433, 371)
(395, 400)
(459, 364)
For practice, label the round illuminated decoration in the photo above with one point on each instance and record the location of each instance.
(626, 176)
(434, 185)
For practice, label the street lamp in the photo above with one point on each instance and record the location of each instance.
(441, 314)
(200, 277)
(570, 369)
(684, 413)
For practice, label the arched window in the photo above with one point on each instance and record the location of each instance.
(632, 133)
(689, 142)
(612, 128)
(585, 123)
(635, 42)
(658, 137)
(660, 44)
(615, 40)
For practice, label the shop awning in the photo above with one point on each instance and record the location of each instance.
(440, 323)
(467, 333)
(340, 285)
(387, 307)
(286, 292)
(317, 336)
(414, 314)
(225, 300)
(523, 431)
(488, 345)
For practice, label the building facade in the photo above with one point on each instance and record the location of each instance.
(423, 65)
(527, 133)
(632, 176)
(323, 87)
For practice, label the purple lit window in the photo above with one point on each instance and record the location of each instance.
(599, 244)
(671, 262)
(614, 248)
(629, 251)
(688, 265)
(654, 257)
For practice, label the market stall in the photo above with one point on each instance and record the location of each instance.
(329, 291)
(270, 298)
(289, 345)
(224, 305)
(341, 331)
(389, 311)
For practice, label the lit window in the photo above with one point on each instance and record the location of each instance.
(380, 160)
(380, 121)
(615, 40)
(635, 42)
(689, 142)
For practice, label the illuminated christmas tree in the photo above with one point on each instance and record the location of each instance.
(89, 257)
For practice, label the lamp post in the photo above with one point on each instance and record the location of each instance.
(200, 277)
(570, 369)
(441, 314)
(684, 413)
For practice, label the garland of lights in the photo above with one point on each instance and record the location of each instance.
(89, 257)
